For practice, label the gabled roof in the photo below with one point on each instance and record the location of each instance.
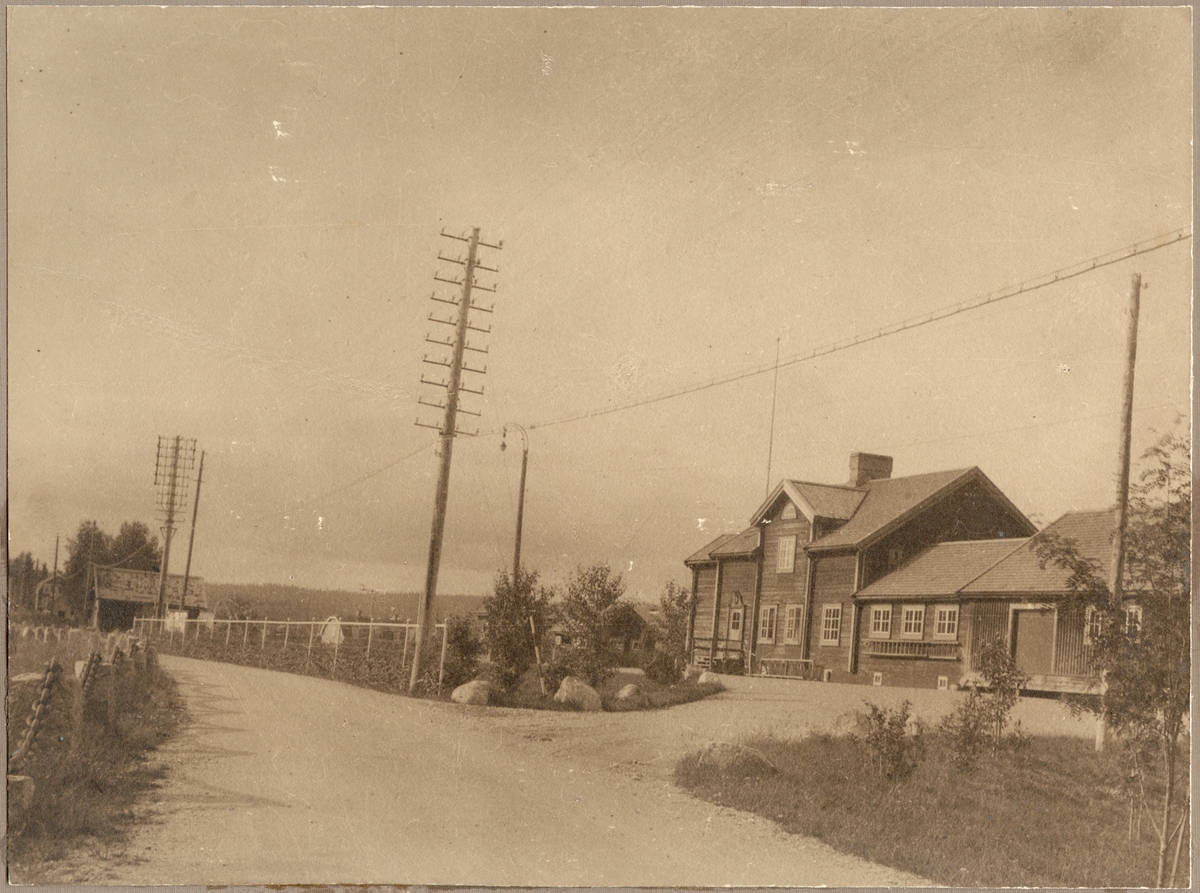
(813, 500)
(890, 502)
(942, 569)
(1021, 572)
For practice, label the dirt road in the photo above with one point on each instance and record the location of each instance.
(284, 779)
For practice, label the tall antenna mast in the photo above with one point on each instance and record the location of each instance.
(771, 441)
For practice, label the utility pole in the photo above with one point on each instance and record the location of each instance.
(187, 571)
(453, 386)
(175, 458)
(520, 498)
(1117, 564)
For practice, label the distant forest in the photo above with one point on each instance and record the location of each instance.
(272, 601)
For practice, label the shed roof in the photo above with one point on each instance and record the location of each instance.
(744, 543)
(704, 555)
(942, 569)
(1022, 571)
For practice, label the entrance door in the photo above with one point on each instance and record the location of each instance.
(1033, 641)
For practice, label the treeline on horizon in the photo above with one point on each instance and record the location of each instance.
(275, 601)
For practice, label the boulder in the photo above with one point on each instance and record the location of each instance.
(737, 761)
(708, 676)
(478, 692)
(576, 693)
(852, 724)
(630, 697)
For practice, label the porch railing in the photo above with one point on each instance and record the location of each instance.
(927, 650)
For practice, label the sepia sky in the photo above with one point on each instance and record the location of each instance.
(224, 224)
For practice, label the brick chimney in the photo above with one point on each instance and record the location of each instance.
(868, 467)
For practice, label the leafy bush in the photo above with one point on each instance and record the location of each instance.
(895, 753)
(664, 667)
(462, 652)
(979, 721)
(513, 604)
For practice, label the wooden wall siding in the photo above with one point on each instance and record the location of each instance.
(989, 621)
(705, 583)
(833, 583)
(783, 589)
(737, 576)
(1070, 651)
(969, 514)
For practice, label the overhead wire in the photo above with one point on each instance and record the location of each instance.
(1061, 275)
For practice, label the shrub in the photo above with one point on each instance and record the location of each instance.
(895, 753)
(664, 668)
(462, 652)
(981, 719)
(510, 638)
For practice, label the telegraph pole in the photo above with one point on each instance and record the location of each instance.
(187, 571)
(175, 458)
(453, 386)
(1117, 570)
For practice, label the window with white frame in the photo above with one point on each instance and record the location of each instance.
(881, 621)
(1133, 619)
(735, 623)
(912, 621)
(788, 513)
(791, 625)
(945, 622)
(831, 624)
(1091, 624)
(766, 624)
(787, 555)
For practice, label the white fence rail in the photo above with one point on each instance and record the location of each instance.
(374, 644)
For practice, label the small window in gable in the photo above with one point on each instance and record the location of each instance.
(788, 513)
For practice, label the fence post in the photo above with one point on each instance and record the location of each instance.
(287, 628)
(370, 632)
(245, 634)
(404, 653)
(228, 630)
(337, 643)
(442, 662)
(312, 628)
(263, 645)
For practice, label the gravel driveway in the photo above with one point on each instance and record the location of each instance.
(284, 779)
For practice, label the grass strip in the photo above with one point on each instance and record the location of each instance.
(1052, 813)
(90, 766)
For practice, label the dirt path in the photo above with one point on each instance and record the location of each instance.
(287, 779)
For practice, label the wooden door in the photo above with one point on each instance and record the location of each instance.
(1033, 641)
